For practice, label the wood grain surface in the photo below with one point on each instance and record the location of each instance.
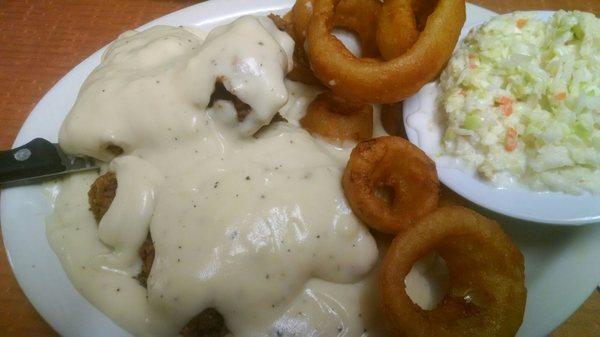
(41, 40)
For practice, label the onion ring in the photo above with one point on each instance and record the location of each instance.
(336, 119)
(396, 29)
(390, 183)
(375, 81)
(486, 295)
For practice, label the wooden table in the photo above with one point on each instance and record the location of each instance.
(42, 40)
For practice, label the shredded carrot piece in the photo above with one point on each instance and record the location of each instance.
(521, 22)
(504, 100)
(506, 103)
(561, 96)
(472, 58)
(511, 140)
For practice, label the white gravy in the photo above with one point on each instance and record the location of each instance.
(256, 227)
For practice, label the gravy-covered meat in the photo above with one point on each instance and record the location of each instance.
(210, 322)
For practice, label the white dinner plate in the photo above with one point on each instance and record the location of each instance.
(562, 266)
(516, 201)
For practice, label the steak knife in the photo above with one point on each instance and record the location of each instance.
(37, 161)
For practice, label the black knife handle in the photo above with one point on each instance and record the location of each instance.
(36, 158)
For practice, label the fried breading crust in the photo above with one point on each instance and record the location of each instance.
(102, 193)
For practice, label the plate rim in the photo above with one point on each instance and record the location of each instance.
(59, 326)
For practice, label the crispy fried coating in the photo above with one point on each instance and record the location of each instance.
(209, 323)
(101, 194)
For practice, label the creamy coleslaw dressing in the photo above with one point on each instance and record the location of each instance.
(256, 227)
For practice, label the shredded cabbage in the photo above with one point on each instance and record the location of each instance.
(522, 97)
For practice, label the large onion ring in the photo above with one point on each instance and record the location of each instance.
(390, 183)
(333, 118)
(396, 28)
(486, 295)
(375, 81)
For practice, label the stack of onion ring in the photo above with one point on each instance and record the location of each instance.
(486, 295)
(333, 118)
(390, 183)
(405, 44)
(374, 80)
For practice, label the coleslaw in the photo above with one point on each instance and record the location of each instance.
(522, 101)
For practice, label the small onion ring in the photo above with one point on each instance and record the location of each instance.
(336, 119)
(486, 295)
(374, 81)
(396, 29)
(390, 183)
